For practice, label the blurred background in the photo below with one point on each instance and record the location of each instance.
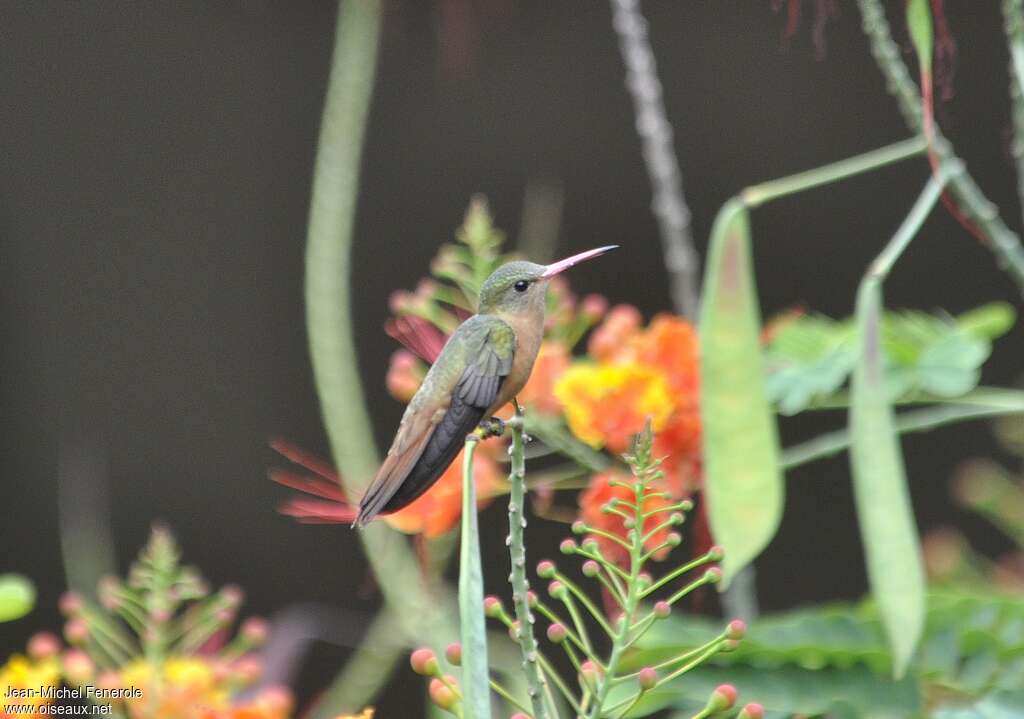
(153, 198)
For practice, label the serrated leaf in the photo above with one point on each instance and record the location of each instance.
(809, 359)
(742, 479)
(888, 531)
(17, 597)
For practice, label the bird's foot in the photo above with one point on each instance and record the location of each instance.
(492, 427)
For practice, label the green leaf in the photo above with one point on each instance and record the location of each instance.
(476, 690)
(809, 358)
(988, 322)
(998, 705)
(888, 531)
(742, 479)
(17, 596)
(919, 22)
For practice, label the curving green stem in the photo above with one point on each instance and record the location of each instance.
(517, 577)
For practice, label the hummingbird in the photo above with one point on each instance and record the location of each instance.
(481, 368)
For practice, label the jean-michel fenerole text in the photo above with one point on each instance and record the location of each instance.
(87, 692)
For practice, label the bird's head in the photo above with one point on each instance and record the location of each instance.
(518, 287)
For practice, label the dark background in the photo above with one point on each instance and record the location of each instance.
(156, 161)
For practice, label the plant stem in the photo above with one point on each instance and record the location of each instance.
(517, 557)
(329, 317)
(1003, 242)
(1013, 22)
(757, 195)
(652, 125)
(475, 675)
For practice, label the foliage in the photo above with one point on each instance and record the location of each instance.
(17, 596)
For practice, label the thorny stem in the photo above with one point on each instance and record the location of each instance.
(517, 555)
(652, 125)
(1013, 21)
(1003, 242)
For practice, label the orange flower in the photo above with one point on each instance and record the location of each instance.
(607, 404)
(405, 375)
(610, 338)
(539, 392)
(670, 344)
(598, 493)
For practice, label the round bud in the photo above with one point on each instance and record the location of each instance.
(722, 698)
(591, 568)
(676, 518)
(453, 653)
(43, 645)
(751, 711)
(716, 553)
(686, 505)
(644, 579)
(531, 598)
(546, 569)
(441, 694)
(255, 630)
(736, 630)
(557, 633)
(76, 630)
(713, 575)
(424, 662)
(513, 630)
(568, 546)
(729, 645)
(588, 674)
(578, 527)
(662, 609)
(77, 667)
(493, 607)
(647, 678)
(674, 539)
(628, 523)
(593, 306)
(70, 604)
(557, 590)
(590, 545)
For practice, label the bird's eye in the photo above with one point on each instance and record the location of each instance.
(521, 286)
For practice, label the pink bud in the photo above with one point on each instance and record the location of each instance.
(647, 678)
(43, 645)
(556, 589)
(594, 306)
(546, 569)
(557, 633)
(722, 698)
(674, 539)
(441, 694)
(578, 527)
(454, 654)
(568, 546)
(729, 645)
(70, 604)
(713, 575)
(232, 595)
(76, 630)
(255, 630)
(519, 715)
(716, 553)
(247, 669)
(531, 598)
(492, 607)
(77, 666)
(662, 609)
(736, 630)
(591, 568)
(424, 662)
(751, 711)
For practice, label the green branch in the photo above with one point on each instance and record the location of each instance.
(329, 326)
(517, 577)
(1003, 242)
(1013, 22)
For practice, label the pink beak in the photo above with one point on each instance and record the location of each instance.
(562, 265)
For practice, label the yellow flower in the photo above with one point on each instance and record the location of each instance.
(186, 686)
(21, 673)
(605, 405)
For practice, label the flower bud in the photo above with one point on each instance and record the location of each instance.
(644, 580)
(43, 645)
(729, 645)
(557, 633)
(247, 669)
(70, 604)
(590, 545)
(568, 546)
(578, 527)
(647, 678)
(232, 595)
(716, 553)
(531, 598)
(686, 505)
(513, 630)
(736, 630)
(674, 539)
(591, 568)
(493, 607)
(662, 609)
(441, 694)
(424, 662)
(76, 630)
(546, 569)
(255, 630)
(722, 698)
(593, 307)
(557, 590)
(453, 653)
(78, 668)
(588, 674)
(713, 575)
(751, 711)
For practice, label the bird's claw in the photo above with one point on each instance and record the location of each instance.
(492, 427)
